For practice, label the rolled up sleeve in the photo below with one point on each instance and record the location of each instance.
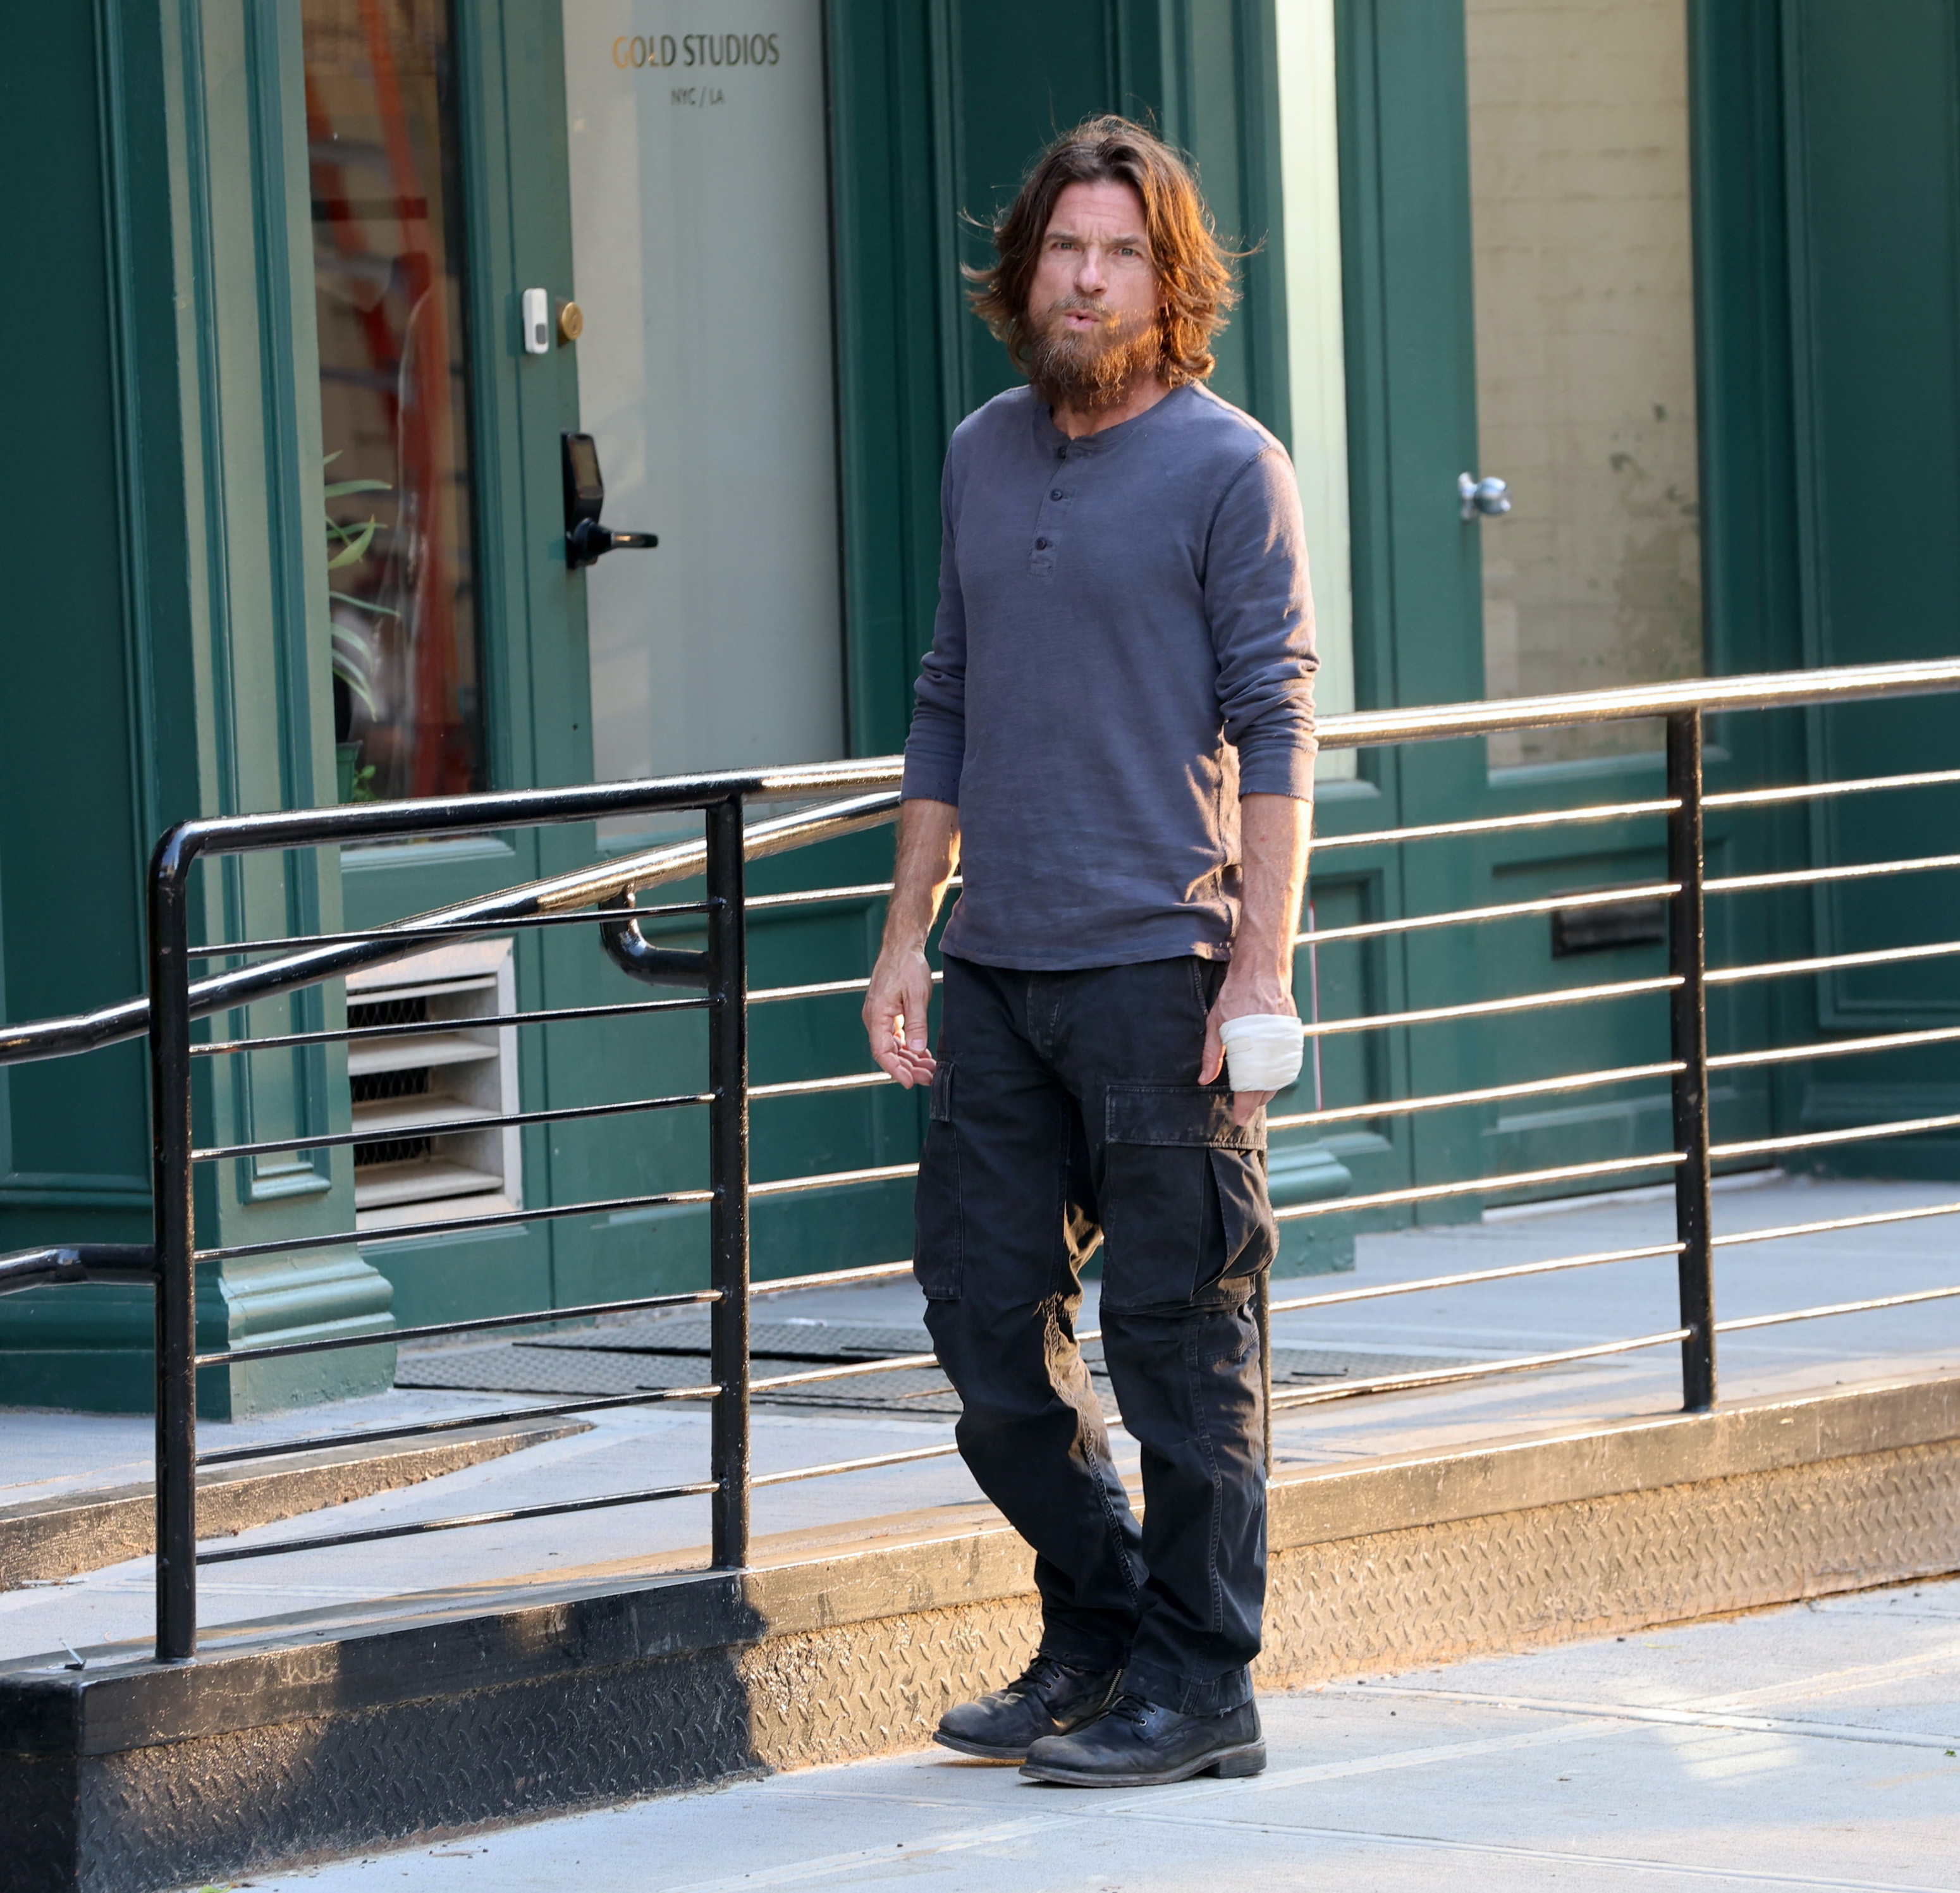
(1260, 608)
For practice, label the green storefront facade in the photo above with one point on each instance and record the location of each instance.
(284, 247)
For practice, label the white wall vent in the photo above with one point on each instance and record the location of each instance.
(403, 1084)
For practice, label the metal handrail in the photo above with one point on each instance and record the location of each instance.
(872, 785)
(871, 796)
(62, 1263)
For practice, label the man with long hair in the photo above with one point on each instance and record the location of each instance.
(1113, 740)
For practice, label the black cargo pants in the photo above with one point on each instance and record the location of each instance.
(1067, 1104)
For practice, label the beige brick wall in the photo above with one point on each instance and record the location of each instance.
(1579, 165)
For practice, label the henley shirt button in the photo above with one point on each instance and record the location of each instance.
(1056, 493)
(1041, 545)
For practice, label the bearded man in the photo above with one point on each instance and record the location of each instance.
(1113, 740)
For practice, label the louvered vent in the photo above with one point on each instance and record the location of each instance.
(411, 1087)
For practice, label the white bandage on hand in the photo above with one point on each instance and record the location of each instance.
(1263, 1051)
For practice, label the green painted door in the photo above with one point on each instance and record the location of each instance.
(1876, 358)
(1521, 303)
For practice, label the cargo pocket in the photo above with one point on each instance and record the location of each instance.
(1183, 1194)
(936, 1242)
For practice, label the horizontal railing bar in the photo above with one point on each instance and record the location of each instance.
(1471, 1277)
(1817, 1139)
(1477, 1186)
(1444, 723)
(870, 890)
(1481, 1370)
(1809, 791)
(1495, 825)
(818, 989)
(1624, 811)
(1488, 1094)
(509, 1515)
(442, 929)
(855, 1466)
(393, 1337)
(1830, 962)
(1835, 1048)
(1736, 1324)
(857, 1369)
(1813, 877)
(1510, 910)
(419, 1028)
(511, 1121)
(1613, 896)
(832, 1278)
(834, 1179)
(503, 1219)
(458, 1423)
(893, 1363)
(1831, 1224)
(1488, 1008)
(806, 1087)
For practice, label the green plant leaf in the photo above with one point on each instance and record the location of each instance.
(356, 682)
(339, 489)
(357, 547)
(364, 604)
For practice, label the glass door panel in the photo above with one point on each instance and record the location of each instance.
(701, 241)
(388, 273)
(1585, 328)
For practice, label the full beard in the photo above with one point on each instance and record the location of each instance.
(1093, 371)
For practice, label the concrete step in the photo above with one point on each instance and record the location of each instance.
(323, 1732)
(43, 1541)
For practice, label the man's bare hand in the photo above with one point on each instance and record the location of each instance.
(1245, 991)
(895, 1014)
(898, 1007)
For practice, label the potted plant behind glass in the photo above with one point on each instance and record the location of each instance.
(353, 646)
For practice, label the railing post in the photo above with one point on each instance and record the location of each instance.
(176, 1238)
(1688, 1041)
(728, 1170)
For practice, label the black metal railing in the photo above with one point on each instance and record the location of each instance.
(603, 897)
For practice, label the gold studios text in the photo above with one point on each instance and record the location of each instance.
(660, 50)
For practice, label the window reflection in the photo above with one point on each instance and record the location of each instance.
(381, 125)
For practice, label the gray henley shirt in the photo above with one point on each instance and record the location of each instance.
(1124, 645)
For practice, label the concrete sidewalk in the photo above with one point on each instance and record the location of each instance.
(1810, 1747)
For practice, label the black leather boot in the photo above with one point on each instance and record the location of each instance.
(1135, 1743)
(1047, 1698)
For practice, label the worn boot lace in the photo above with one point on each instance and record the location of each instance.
(1037, 1676)
(1131, 1709)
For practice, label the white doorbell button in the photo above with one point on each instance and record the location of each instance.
(537, 322)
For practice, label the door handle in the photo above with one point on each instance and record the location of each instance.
(1489, 497)
(586, 541)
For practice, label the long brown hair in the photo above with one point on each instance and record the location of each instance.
(1194, 268)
